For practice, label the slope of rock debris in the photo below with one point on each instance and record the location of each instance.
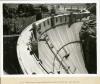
(88, 38)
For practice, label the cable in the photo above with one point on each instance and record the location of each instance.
(54, 63)
(66, 56)
(58, 59)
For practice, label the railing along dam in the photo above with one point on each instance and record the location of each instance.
(52, 46)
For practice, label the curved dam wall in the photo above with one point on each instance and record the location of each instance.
(52, 46)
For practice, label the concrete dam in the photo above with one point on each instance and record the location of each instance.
(52, 46)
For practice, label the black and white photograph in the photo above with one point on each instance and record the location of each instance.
(58, 38)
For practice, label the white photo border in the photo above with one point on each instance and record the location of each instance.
(50, 2)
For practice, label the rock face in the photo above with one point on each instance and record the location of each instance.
(88, 38)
